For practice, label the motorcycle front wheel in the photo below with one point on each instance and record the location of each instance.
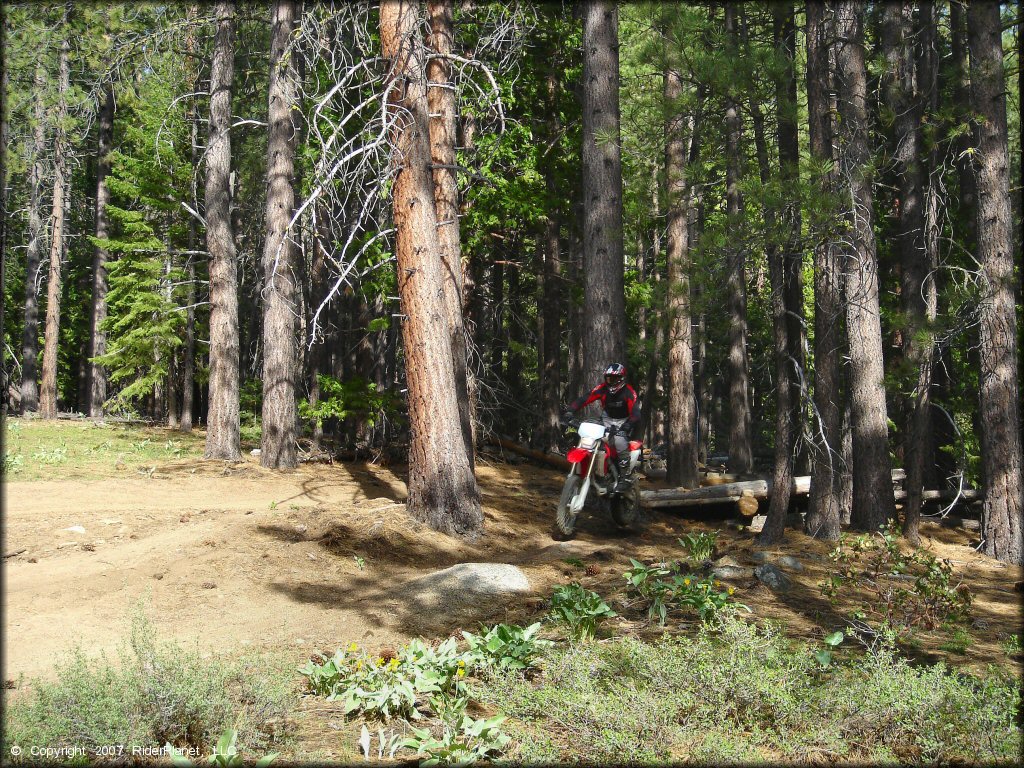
(565, 519)
(626, 506)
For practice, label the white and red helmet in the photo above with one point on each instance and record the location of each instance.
(615, 377)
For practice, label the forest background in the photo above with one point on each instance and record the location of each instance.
(816, 270)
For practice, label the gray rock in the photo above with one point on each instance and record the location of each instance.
(466, 583)
(790, 563)
(732, 572)
(772, 578)
(761, 557)
(726, 561)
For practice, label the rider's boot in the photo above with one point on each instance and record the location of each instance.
(624, 481)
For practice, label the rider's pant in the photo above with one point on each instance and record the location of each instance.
(620, 441)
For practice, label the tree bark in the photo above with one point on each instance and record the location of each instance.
(551, 276)
(682, 419)
(222, 420)
(873, 501)
(823, 504)
(5, 371)
(740, 450)
(442, 489)
(917, 291)
(999, 378)
(98, 336)
(441, 102)
(604, 304)
(30, 335)
(280, 294)
(51, 341)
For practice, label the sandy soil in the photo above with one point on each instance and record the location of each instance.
(237, 556)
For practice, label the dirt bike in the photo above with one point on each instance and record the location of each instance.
(594, 467)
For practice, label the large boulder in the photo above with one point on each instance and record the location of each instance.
(467, 583)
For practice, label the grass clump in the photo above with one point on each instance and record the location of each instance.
(160, 692)
(736, 693)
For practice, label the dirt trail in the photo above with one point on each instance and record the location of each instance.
(307, 560)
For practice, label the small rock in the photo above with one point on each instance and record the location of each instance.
(761, 557)
(75, 529)
(772, 578)
(790, 563)
(732, 572)
(67, 544)
(311, 556)
(757, 523)
(208, 585)
(300, 528)
(33, 560)
(158, 576)
(725, 561)
(89, 547)
(111, 521)
(255, 452)
(184, 518)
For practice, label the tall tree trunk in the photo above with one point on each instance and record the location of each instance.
(442, 489)
(443, 131)
(999, 378)
(740, 450)
(873, 500)
(189, 353)
(551, 276)
(30, 336)
(682, 416)
(54, 288)
(222, 420)
(280, 293)
(823, 502)
(98, 336)
(604, 304)
(917, 290)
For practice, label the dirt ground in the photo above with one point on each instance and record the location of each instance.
(235, 557)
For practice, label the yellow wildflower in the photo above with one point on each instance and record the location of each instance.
(686, 582)
(461, 672)
(353, 648)
(359, 665)
(731, 590)
(462, 662)
(379, 661)
(393, 665)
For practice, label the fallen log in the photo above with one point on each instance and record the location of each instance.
(762, 489)
(722, 494)
(551, 459)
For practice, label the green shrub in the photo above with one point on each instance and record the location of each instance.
(580, 609)
(737, 693)
(506, 646)
(699, 546)
(160, 692)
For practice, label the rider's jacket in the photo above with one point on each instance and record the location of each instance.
(618, 405)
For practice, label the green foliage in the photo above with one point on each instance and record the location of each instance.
(703, 594)
(738, 691)
(158, 693)
(386, 688)
(356, 398)
(833, 641)
(699, 546)
(507, 647)
(465, 743)
(904, 590)
(580, 609)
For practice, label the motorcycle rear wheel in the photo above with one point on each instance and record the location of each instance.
(564, 518)
(626, 506)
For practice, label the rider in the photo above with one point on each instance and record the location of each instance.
(620, 413)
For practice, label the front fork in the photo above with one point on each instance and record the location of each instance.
(577, 503)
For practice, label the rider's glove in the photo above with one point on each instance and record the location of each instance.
(566, 417)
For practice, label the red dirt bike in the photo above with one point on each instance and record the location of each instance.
(594, 466)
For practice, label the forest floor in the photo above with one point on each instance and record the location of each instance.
(235, 557)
